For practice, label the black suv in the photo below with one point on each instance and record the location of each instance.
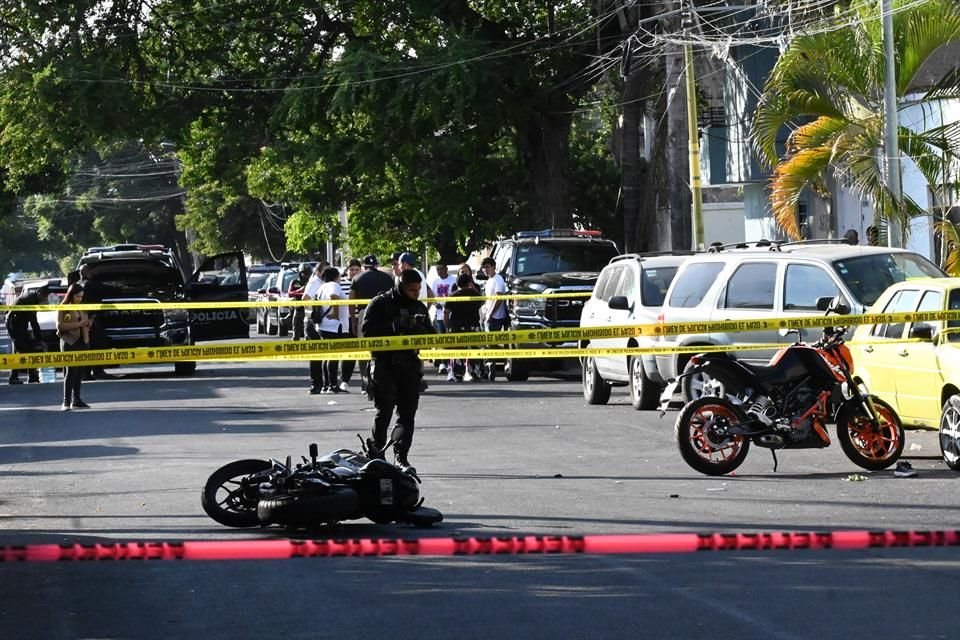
(549, 261)
(152, 274)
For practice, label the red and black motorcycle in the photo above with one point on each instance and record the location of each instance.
(786, 405)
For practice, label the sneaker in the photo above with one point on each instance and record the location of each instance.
(80, 404)
(467, 377)
(443, 369)
(451, 376)
(326, 390)
(344, 387)
(904, 470)
(316, 390)
(65, 407)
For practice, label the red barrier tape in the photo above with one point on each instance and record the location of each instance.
(596, 544)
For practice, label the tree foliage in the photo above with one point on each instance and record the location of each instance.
(828, 88)
(440, 124)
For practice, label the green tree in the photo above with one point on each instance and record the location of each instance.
(828, 89)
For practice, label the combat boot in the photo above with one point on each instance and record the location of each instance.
(374, 450)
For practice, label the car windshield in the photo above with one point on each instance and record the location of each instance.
(868, 276)
(546, 257)
(135, 279)
(257, 281)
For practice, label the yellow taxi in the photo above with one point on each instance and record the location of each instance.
(920, 379)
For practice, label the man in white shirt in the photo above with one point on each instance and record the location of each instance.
(442, 284)
(494, 311)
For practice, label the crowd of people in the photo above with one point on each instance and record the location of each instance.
(392, 379)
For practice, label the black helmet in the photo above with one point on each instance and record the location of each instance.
(305, 266)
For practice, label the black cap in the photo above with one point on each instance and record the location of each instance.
(370, 261)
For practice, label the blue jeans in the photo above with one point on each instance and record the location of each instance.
(498, 324)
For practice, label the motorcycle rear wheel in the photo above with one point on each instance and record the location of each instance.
(869, 448)
(309, 509)
(231, 507)
(699, 444)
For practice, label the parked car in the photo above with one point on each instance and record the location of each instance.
(257, 277)
(629, 291)
(770, 280)
(152, 274)
(549, 261)
(921, 380)
(276, 320)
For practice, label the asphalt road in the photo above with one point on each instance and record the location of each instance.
(498, 459)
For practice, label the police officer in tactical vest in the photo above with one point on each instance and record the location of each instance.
(395, 375)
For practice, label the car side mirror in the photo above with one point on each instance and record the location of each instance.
(262, 291)
(833, 304)
(273, 290)
(921, 332)
(619, 303)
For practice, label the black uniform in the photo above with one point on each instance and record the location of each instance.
(395, 375)
(19, 324)
(94, 293)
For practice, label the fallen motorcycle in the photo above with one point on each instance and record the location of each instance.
(785, 405)
(341, 485)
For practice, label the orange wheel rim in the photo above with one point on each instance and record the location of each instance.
(713, 449)
(875, 443)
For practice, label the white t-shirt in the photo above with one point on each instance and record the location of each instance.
(338, 317)
(313, 287)
(441, 286)
(495, 286)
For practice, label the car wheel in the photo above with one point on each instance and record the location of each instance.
(260, 328)
(950, 432)
(595, 388)
(184, 368)
(644, 394)
(283, 329)
(517, 370)
(693, 386)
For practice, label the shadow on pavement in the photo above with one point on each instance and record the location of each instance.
(34, 453)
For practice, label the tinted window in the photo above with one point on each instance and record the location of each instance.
(553, 257)
(752, 286)
(953, 326)
(693, 283)
(931, 301)
(869, 276)
(902, 302)
(805, 283)
(656, 281)
(602, 281)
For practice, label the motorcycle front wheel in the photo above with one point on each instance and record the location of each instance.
(224, 498)
(699, 432)
(869, 447)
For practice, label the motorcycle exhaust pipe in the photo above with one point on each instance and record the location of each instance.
(770, 440)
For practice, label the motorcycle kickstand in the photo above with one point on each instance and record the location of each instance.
(773, 452)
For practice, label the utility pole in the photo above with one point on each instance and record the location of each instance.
(891, 147)
(696, 204)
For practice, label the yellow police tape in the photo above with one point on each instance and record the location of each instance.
(349, 349)
(247, 304)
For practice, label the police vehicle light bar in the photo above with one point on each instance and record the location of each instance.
(557, 233)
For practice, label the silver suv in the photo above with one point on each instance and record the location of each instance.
(629, 291)
(770, 280)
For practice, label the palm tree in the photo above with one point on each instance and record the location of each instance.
(827, 88)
